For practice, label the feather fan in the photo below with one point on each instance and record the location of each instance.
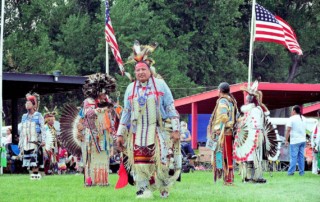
(71, 129)
(243, 143)
(272, 141)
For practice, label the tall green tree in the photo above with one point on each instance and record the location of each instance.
(27, 42)
(201, 43)
(148, 21)
(42, 36)
(215, 42)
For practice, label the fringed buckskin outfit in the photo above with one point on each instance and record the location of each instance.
(147, 119)
(223, 119)
(98, 144)
(32, 136)
(88, 132)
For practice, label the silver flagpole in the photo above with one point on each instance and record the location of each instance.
(252, 32)
(107, 58)
(1, 63)
(107, 53)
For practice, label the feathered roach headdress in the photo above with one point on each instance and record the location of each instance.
(140, 55)
(49, 114)
(34, 98)
(253, 91)
(97, 84)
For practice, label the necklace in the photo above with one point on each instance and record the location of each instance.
(142, 99)
(29, 117)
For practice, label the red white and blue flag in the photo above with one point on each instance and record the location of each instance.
(270, 28)
(111, 39)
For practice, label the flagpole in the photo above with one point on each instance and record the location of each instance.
(107, 58)
(1, 62)
(253, 18)
(107, 46)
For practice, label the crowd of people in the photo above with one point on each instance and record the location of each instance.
(150, 137)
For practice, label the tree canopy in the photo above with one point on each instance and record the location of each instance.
(201, 43)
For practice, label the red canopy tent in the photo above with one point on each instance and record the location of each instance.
(312, 110)
(275, 96)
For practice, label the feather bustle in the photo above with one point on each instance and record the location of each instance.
(69, 120)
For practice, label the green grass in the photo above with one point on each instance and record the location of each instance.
(197, 186)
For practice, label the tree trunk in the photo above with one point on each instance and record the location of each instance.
(292, 73)
(293, 69)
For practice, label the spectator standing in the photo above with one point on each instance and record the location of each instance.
(296, 134)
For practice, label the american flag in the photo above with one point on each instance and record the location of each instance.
(270, 28)
(111, 39)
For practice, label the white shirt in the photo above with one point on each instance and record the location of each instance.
(298, 129)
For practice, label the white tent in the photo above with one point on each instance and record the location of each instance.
(311, 122)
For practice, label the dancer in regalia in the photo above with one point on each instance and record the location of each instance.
(32, 137)
(51, 154)
(88, 132)
(152, 140)
(256, 139)
(220, 134)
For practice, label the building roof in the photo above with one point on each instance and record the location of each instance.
(312, 110)
(275, 96)
(17, 85)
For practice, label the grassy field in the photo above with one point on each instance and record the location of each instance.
(197, 186)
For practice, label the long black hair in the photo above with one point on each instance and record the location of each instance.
(297, 109)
